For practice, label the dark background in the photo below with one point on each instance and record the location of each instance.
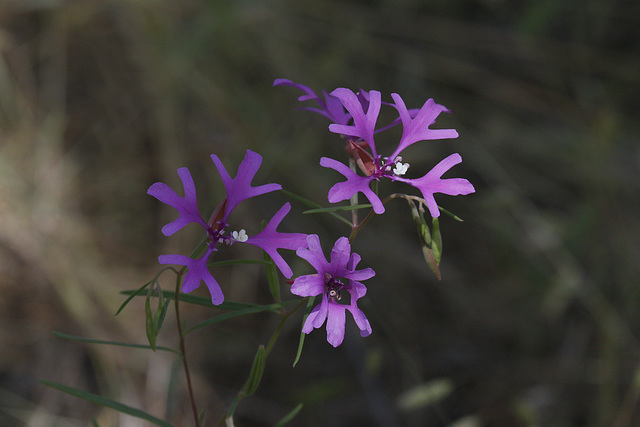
(536, 320)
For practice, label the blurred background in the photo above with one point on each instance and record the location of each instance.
(535, 321)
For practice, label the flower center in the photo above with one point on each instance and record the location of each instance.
(333, 287)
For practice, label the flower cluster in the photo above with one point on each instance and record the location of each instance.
(360, 137)
(353, 116)
(238, 189)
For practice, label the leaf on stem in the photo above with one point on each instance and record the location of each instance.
(313, 205)
(302, 334)
(114, 343)
(252, 309)
(257, 369)
(107, 403)
(431, 241)
(289, 416)
(272, 277)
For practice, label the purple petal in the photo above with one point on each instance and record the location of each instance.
(417, 129)
(363, 124)
(239, 188)
(356, 289)
(361, 320)
(186, 206)
(340, 254)
(310, 94)
(330, 107)
(308, 286)
(313, 254)
(354, 183)
(432, 183)
(316, 318)
(336, 320)
(197, 272)
(270, 240)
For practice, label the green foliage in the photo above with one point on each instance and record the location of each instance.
(107, 403)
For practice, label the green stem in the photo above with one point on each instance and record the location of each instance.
(272, 340)
(182, 350)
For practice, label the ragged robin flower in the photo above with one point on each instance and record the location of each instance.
(238, 189)
(338, 282)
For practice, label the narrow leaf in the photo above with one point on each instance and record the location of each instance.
(107, 403)
(150, 324)
(289, 416)
(115, 343)
(206, 301)
(446, 212)
(257, 369)
(314, 205)
(133, 294)
(338, 208)
(272, 277)
(436, 246)
(302, 334)
(242, 312)
(235, 261)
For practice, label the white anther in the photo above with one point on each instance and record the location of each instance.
(240, 236)
(401, 168)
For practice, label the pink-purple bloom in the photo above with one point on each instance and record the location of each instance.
(332, 281)
(238, 189)
(415, 128)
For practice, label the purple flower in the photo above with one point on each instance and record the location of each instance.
(415, 128)
(197, 272)
(330, 107)
(330, 282)
(238, 189)
(432, 183)
(187, 206)
(271, 240)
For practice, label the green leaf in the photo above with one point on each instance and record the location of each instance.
(436, 245)
(272, 277)
(314, 205)
(257, 369)
(206, 301)
(428, 240)
(241, 312)
(338, 208)
(446, 212)
(150, 324)
(133, 294)
(235, 261)
(302, 334)
(115, 343)
(289, 416)
(107, 403)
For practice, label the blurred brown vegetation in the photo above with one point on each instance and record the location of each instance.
(536, 320)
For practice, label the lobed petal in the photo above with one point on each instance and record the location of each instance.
(186, 206)
(271, 240)
(361, 320)
(363, 124)
(354, 183)
(197, 272)
(417, 128)
(330, 107)
(431, 183)
(313, 254)
(239, 188)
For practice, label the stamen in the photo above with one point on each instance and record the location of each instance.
(401, 168)
(240, 236)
